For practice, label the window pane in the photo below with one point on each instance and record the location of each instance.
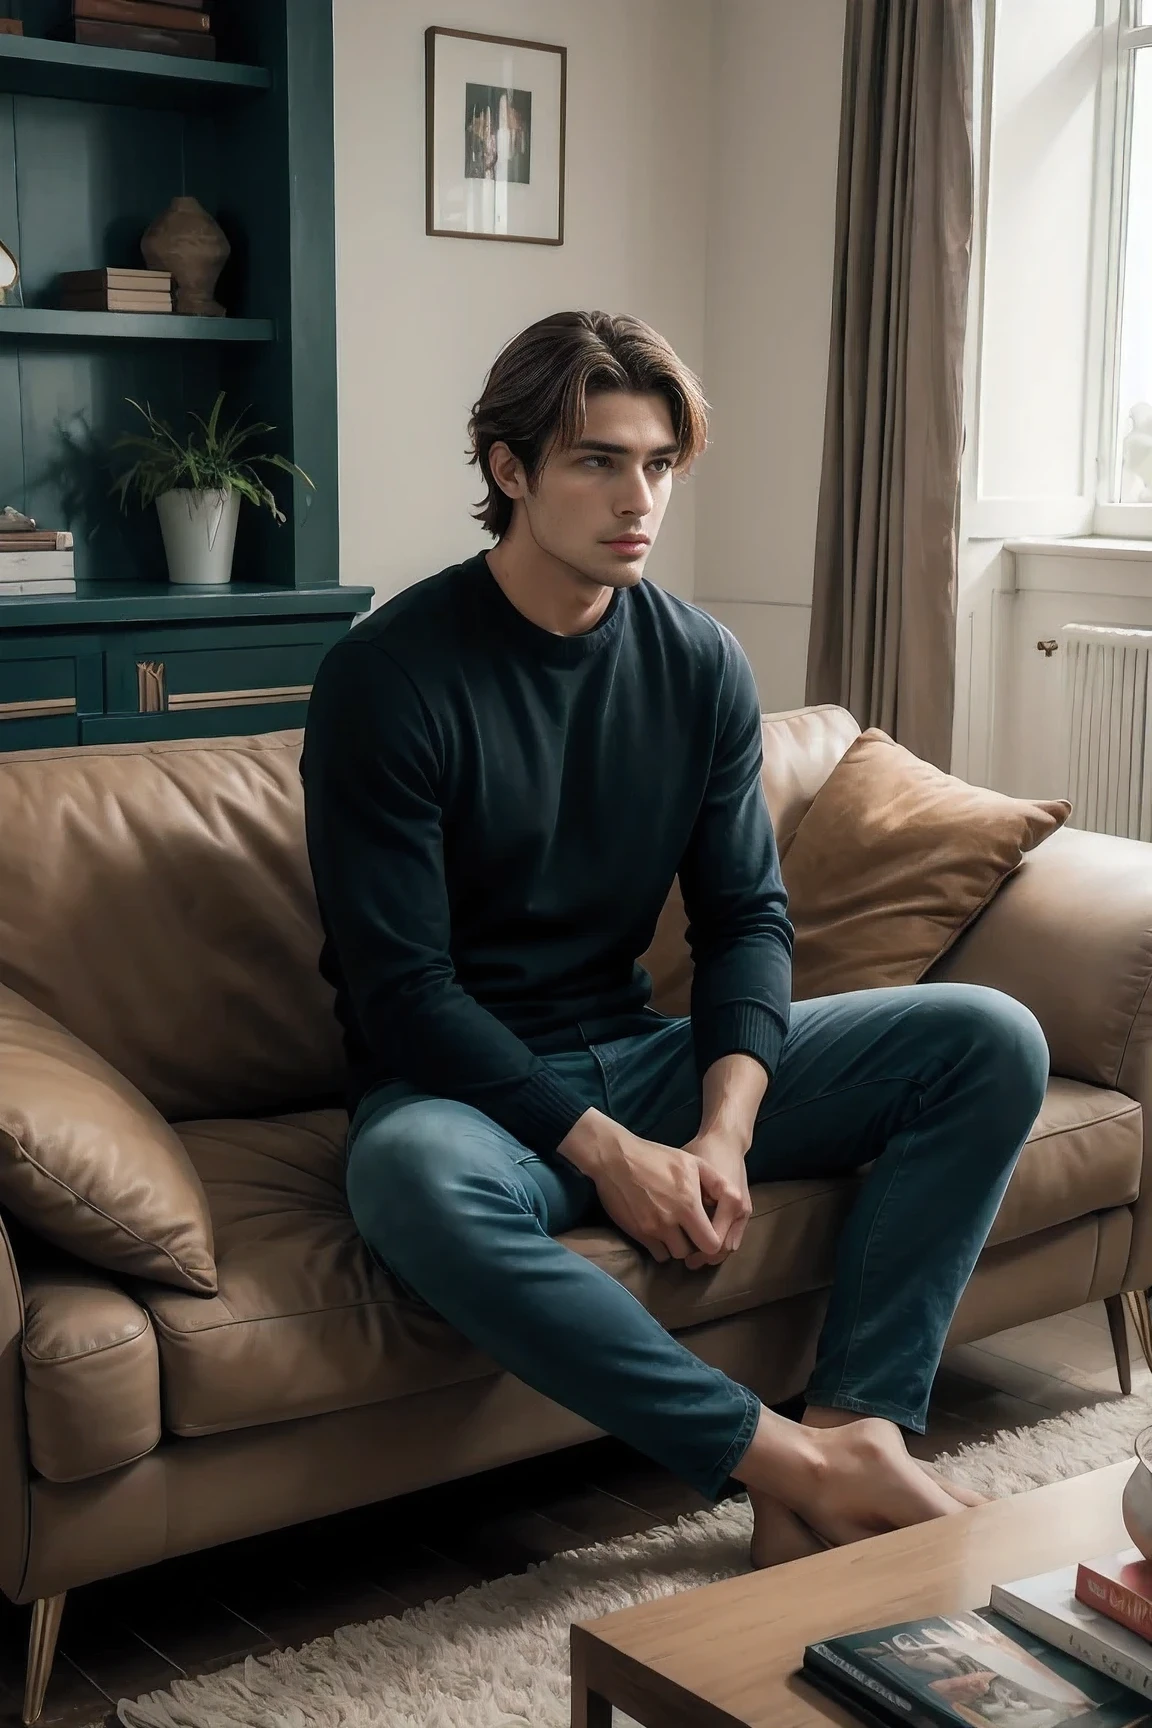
(1134, 401)
(1141, 13)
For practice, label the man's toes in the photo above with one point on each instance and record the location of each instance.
(966, 1496)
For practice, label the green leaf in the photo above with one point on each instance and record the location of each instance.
(207, 461)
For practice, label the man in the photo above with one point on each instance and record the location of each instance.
(505, 767)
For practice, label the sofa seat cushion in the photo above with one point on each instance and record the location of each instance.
(91, 1373)
(305, 1321)
(1083, 1155)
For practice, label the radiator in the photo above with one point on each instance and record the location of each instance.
(1108, 728)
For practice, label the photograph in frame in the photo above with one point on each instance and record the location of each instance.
(494, 137)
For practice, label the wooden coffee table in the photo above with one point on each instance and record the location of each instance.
(726, 1656)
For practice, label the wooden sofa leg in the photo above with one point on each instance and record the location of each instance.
(1114, 1308)
(46, 1614)
(1137, 1304)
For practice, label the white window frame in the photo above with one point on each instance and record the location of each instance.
(1111, 519)
(987, 516)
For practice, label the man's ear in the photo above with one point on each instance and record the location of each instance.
(507, 471)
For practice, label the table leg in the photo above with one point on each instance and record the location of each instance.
(589, 1709)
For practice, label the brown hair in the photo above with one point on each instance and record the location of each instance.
(538, 384)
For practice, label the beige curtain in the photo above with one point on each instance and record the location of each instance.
(883, 612)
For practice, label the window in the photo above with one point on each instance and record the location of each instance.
(1124, 493)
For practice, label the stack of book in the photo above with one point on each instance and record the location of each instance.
(1072, 1645)
(36, 561)
(115, 290)
(151, 26)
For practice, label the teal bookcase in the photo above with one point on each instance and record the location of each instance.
(93, 144)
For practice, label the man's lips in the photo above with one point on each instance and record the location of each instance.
(628, 540)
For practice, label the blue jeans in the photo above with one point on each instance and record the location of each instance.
(936, 1086)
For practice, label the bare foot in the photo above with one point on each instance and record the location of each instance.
(966, 1496)
(779, 1535)
(845, 1478)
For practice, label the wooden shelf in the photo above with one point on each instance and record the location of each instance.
(35, 66)
(168, 602)
(139, 326)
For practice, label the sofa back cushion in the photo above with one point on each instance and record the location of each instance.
(801, 748)
(156, 900)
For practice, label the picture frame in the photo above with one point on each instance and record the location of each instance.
(495, 117)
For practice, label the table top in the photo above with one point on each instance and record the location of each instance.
(726, 1655)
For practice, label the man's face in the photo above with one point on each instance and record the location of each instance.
(598, 504)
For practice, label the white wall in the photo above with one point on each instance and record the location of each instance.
(776, 81)
(421, 319)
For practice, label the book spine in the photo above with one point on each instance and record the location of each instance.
(115, 300)
(1116, 1600)
(36, 541)
(849, 1679)
(63, 585)
(92, 33)
(1077, 1640)
(36, 566)
(142, 12)
(123, 281)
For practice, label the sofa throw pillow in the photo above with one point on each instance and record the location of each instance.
(892, 860)
(88, 1164)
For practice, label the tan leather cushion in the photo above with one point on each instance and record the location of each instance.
(801, 748)
(893, 859)
(91, 1374)
(306, 1321)
(87, 1163)
(156, 900)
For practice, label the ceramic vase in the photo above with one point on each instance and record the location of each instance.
(199, 530)
(190, 243)
(1137, 1502)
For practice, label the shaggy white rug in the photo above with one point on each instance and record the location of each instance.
(496, 1656)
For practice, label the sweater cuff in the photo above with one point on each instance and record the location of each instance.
(543, 1111)
(738, 1029)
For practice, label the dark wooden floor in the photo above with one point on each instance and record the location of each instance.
(134, 1634)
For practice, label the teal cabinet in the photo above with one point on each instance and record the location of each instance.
(93, 144)
(125, 679)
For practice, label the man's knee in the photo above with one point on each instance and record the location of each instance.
(409, 1167)
(998, 1033)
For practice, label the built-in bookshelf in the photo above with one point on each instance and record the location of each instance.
(94, 143)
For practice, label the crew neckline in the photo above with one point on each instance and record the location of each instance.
(540, 643)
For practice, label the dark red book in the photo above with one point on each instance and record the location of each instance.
(143, 12)
(1120, 1586)
(93, 33)
(11, 27)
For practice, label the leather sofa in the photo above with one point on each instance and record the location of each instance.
(155, 900)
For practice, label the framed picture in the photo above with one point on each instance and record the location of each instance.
(494, 156)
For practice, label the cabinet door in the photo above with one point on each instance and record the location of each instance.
(208, 682)
(38, 698)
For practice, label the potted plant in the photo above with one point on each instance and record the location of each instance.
(197, 487)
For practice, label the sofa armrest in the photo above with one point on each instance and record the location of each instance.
(1070, 936)
(14, 1502)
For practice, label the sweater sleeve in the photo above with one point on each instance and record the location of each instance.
(738, 927)
(371, 773)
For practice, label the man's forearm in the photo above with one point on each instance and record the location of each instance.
(733, 1090)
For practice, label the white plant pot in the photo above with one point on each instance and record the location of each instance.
(199, 530)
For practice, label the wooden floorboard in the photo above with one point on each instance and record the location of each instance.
(200, 1613)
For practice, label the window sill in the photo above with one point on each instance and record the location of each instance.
(1080, 546)
(1086, 564)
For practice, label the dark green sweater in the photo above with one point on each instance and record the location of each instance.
(495, 815)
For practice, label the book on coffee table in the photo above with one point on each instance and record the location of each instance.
(964, 1671)
(1048, 1605)
(1120, 1585)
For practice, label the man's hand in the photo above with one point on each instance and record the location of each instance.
(658, 1195)
(725, 1155)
